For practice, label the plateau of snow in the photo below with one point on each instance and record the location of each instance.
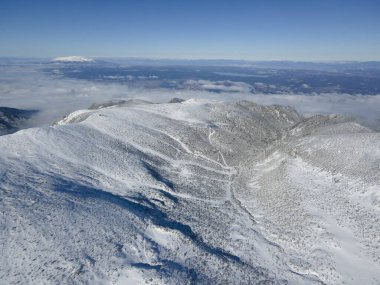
(194, 192)
(73, 58)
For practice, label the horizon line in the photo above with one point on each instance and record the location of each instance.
(198, 59)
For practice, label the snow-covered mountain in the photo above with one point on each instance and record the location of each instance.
(194, 192)
(72, 59)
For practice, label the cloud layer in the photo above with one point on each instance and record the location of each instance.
(56, 96)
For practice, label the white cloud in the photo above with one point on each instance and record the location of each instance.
(365, 107)
(220, 86)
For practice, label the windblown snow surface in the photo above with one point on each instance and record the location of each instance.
(198, 192)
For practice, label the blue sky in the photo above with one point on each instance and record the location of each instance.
(254, 30)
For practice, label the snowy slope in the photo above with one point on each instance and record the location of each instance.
(188, 193)
(318, 197)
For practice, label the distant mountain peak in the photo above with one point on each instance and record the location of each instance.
(73, 58)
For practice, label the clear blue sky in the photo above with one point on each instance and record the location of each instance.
(257, 30)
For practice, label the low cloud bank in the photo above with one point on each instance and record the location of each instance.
(217, 86)
(56, 96)
(363, 107)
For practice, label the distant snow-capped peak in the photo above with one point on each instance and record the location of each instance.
(73, 58)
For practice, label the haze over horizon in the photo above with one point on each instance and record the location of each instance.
(243, 30)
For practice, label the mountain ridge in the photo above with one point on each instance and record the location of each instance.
(173, 193)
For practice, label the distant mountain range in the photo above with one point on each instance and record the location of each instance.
(12, 120)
